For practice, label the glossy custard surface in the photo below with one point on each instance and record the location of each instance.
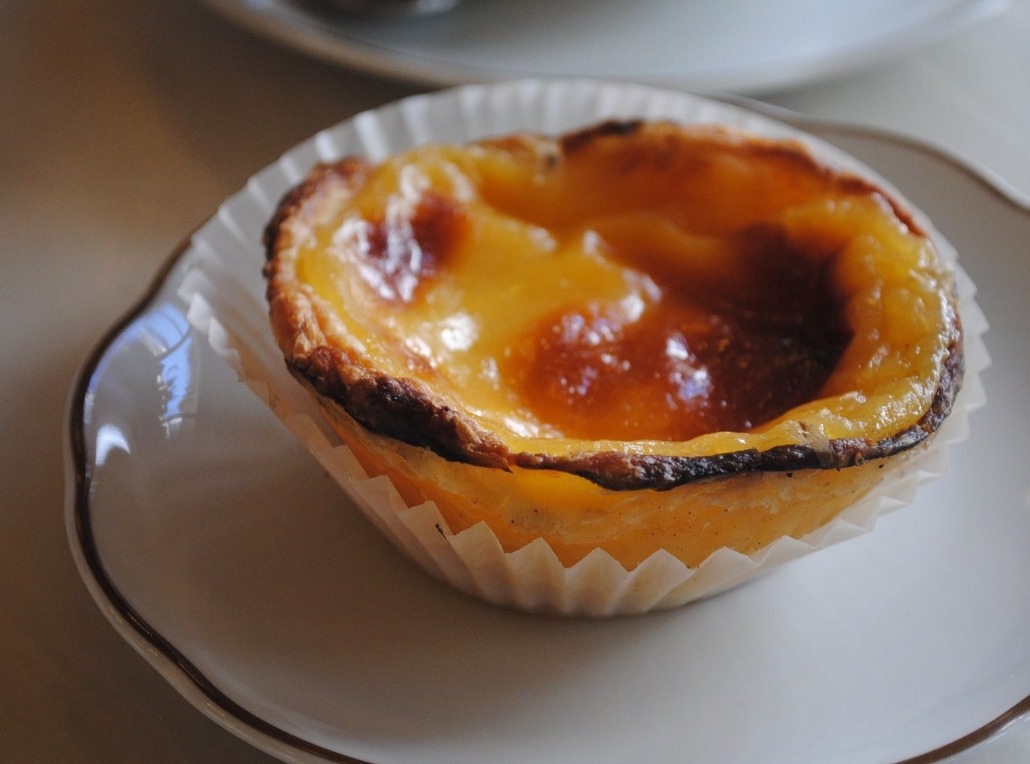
(689, 294)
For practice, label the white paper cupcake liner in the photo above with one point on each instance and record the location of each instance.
(224, 292)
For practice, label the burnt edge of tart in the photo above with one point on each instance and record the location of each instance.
(407, 410)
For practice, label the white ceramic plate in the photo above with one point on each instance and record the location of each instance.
(218, 548)
(725, 46)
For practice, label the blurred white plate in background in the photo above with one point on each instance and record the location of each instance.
(743, 46)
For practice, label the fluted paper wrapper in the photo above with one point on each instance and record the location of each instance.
(225, 295)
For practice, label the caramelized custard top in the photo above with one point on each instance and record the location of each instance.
(678, 371)
(634, 285)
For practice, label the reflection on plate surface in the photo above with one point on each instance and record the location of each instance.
(728, 46)
(221, 551)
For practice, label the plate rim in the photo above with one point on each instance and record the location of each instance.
(170, 662)
(202, 692)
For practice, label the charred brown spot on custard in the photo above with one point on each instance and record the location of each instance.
(398, 254)
(677, 372)
(784, 283)
(572, 142)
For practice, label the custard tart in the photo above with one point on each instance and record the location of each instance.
(634, 337)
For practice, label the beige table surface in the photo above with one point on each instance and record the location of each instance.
(122, 126)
